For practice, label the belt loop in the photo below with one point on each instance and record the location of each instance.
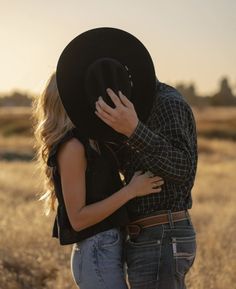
(188, 217)
(170, 219)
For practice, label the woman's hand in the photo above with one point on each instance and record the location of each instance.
(144, 184)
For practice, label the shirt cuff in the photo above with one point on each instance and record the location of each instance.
(141, 138)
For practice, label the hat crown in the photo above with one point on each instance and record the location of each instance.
(107, 73)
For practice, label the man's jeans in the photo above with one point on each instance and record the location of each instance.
(160, 256)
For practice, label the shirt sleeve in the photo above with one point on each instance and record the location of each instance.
(166, 150)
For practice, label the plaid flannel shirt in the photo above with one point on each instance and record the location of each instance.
(166, 145)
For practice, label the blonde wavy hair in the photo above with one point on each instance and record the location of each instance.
(50, 123)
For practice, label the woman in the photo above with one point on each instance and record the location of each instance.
(81, 175)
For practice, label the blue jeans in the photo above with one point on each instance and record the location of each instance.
(97, 262)
(160, 256)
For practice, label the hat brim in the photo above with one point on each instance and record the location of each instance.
(84, 50)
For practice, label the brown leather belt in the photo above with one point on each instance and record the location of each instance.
(135, 227)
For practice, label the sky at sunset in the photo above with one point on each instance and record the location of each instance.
(189, 40)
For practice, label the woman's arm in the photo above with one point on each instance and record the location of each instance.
(72, 167)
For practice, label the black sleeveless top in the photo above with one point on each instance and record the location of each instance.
(102, 180)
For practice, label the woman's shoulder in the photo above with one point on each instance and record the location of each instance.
(71, 157)
(70, 144)
(72, 148)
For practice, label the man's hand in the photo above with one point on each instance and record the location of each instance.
(122, 118)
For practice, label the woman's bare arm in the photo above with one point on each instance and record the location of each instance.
(72, 167)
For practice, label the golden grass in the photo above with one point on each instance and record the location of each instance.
(216, 122)
(15, 121)
(214, 216)
(212, 122)
(30, 258)
(16, 143)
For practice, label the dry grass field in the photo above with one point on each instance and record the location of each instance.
(30, 258)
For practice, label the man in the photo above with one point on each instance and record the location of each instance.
(153, 129)
(162, 243)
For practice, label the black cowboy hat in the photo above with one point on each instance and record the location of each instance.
(98, 59)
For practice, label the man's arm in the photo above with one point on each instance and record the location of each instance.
(167, 150)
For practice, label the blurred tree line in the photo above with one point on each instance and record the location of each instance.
(16, 99)
(224, 97)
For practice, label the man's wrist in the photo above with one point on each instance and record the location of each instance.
(141, 139)
(132, 130)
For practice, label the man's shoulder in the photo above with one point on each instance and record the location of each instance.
(167, 93)
(170, 101)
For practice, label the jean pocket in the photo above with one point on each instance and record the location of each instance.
(109, 239)
(143, 261)
(143, 243)
(184, 252)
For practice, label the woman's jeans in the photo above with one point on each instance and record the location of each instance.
(97, 262)
(160, 256)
